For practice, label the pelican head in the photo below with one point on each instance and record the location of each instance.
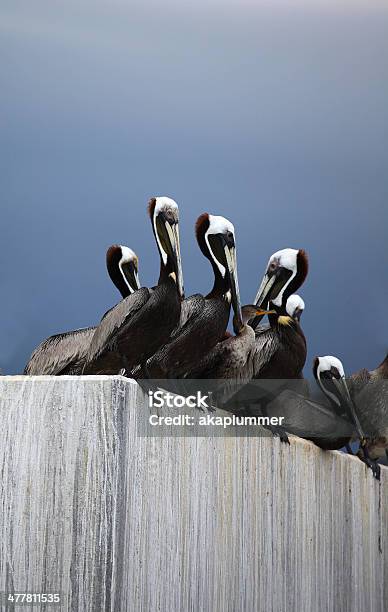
(122, 264)
(285, 273)
(295, 306)
(326, 370)
(164, 214)
(330, 376)
(216, 239)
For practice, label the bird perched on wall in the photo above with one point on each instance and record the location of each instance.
(330, 376)
(357, 410)
(139, 325)
(280, 348)
(65, 353)
(327, 425)
(367, 409)
(205, 318)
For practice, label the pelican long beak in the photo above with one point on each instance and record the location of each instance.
(343, 390)
(136, 279)
(231, 262)
(173, 235)
(264, 293)
(131, 276)
(262, 297)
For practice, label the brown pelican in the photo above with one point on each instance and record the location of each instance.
(65, 353)
(280, 349)
(205, 318)
(328, 426)
(358, 406)
(136, 328)
(330, 376)
(368, 408)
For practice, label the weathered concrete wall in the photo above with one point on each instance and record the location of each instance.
(117, 521)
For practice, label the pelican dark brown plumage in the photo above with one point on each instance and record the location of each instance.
(358, 410)
(327, 425)
(280, 349)
(228, 365)
(366, 400)
(330, 376)
(137, 327)
(65, 353)
(205, 318)
(231, 359)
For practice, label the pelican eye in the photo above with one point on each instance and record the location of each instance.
(272, 266)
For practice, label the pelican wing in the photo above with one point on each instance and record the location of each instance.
(266, 345)
(114, 320)
(227, 367)
(307, 418)
(191, 306)
(61, 354)
(228, 359)
(188, 343)
(212, 366)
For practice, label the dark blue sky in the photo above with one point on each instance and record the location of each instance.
(274, 117)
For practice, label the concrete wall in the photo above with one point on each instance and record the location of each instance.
(122, 522)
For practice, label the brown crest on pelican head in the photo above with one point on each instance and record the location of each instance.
(151, 207)
(302, 265)
(201, 227)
